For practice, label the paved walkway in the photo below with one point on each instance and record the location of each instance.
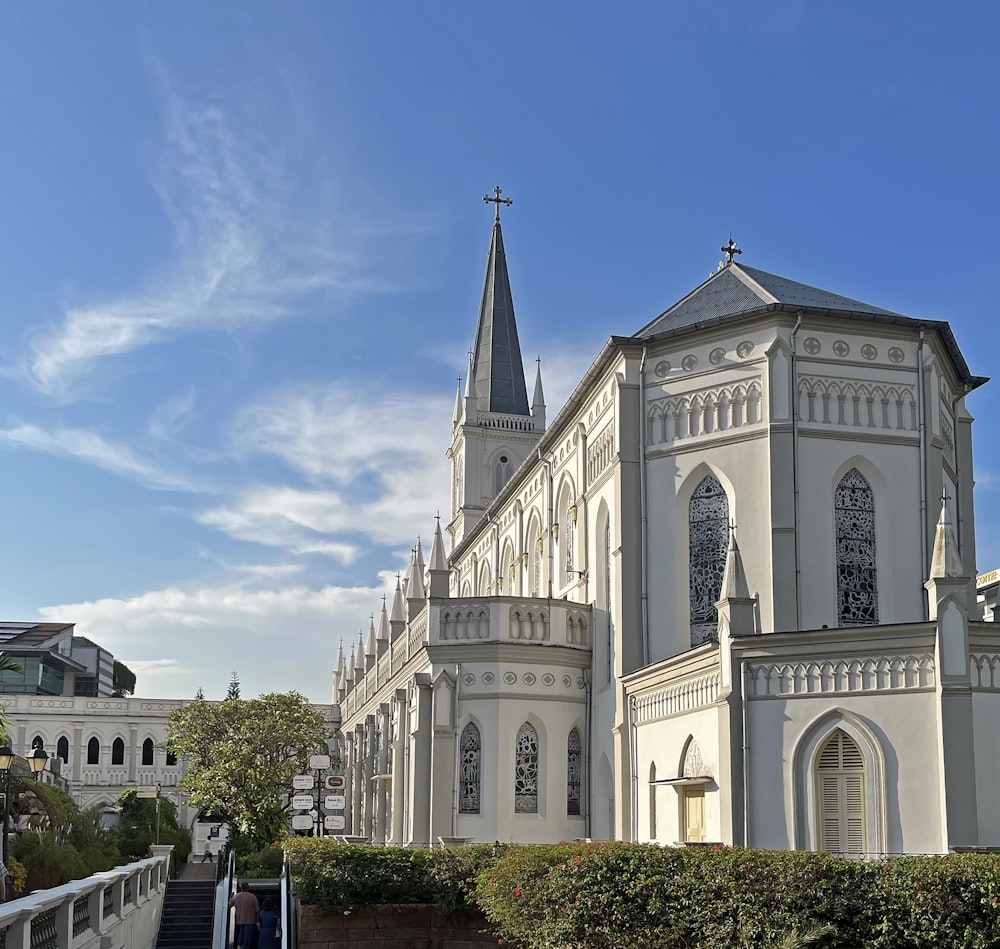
(197, 871)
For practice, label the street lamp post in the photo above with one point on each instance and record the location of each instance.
(36, 761)
(6, 760)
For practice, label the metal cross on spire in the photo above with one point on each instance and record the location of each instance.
(497, 200)
(730, 250)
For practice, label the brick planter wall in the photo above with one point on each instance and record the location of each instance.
(392, 927)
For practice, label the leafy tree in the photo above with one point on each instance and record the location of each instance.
(123, 680)
(241, 756)
(47, 807)
(137, 826)
(233, 692)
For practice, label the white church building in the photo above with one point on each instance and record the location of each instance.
(597, 656)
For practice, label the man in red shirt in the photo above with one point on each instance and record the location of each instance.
(247, 909)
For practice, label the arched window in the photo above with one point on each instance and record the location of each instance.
(574, 754)
(526, 770)
(708, 532)
(147, 752)
(62, 749)
(502, 473)
(857, 580)
(93, 751)
(535, 545)
(37, 742)
(118, 751)
(609, 632)
(472, 750)
(569, 544)
(171, 759)
(840, 786)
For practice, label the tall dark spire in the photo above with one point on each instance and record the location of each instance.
(497, 371)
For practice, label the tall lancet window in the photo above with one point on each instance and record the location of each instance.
(574, 755)
(708, 532)
(502, 473)
(840, 786)
(526, 770)
(536, 567)
(857, 579)
(471, 750)
(569, 543)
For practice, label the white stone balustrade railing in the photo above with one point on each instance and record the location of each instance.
(119, 907)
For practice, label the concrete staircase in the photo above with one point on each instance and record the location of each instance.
(188, 915)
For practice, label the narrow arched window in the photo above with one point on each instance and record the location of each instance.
(147, 752)
(118, 751)
(62, 749)
(171, 759)
(569, 544)
(610, 631)
(526, 770)
(93, 751)
(574, 754)
(502, 473)
(708, 533)
(471, 751)
(857, 578)
(536, 566)
(840, 788)
(37, 742)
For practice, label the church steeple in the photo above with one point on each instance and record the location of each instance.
(497, 370)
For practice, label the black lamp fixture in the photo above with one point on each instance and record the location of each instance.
(36, 760)
(6, 760)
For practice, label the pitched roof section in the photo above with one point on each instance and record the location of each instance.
(737, 289)
(497, 370)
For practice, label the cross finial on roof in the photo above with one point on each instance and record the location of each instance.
(945, 496)
(497, 200)
(730, 249)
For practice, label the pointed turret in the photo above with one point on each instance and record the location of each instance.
(414, 588)
(359, 660)
(734, 578)
(437, 572)
(397, 618)
(736, 609)
(497, 372)
(538, 399)
(341, 673)
(337, 671)
(371, 650)
(348, 678)
(419, 561)
(946, 561)
(456, 416)
(382, 638)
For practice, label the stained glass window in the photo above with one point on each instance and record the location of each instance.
(471, 751)
(708, 531)
(573, 758)
(569, 542)
(857, 580)
(526, 770)
(536, 568)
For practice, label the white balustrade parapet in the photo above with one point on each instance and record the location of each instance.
(119, 907)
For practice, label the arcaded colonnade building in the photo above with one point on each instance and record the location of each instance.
(598, 657)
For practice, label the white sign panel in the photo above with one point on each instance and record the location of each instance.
(319, 762)
(302, 802)
(335, 802)
(302, 822)
(334, 822)
(303, 782)
(335, 782)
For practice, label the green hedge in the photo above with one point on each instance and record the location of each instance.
(627, 896)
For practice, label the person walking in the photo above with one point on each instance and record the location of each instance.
(206, 857)
(247, 908)
(267, 919)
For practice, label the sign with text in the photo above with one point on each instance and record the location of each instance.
(303, 782)
(302, 802)
(334, 802)
(335, 782)
(334, 822)
(319, 762)
(302, 822)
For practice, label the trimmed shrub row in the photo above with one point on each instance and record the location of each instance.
(626, 896)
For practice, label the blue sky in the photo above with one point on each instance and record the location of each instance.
(242, 248)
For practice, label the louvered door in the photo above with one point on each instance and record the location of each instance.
(840, 785)
(694, 814)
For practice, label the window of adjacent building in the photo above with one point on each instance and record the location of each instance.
(171, 759)
(857, 579)
(93, 751)
(147, 752)
(471, 751)
(37, 742)
(118, 751)
(574, 758)
(526, 770)
(840, 786)
(62, 749)
(708, 533)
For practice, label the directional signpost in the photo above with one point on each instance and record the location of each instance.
(303, 782)
(334, 822)
(334, 802)
(302, 802)
(302, 822)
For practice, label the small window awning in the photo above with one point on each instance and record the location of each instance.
(691, 779)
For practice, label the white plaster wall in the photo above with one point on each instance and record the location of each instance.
(663, 743)
(906, 726)
(986, 714)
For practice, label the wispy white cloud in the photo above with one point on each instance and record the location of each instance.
(240, 258)
(94, 449)
(163, 634)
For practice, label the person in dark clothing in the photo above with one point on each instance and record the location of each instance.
(267, 919)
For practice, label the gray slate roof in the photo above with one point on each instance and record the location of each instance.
(738, 289)
(497, 370)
